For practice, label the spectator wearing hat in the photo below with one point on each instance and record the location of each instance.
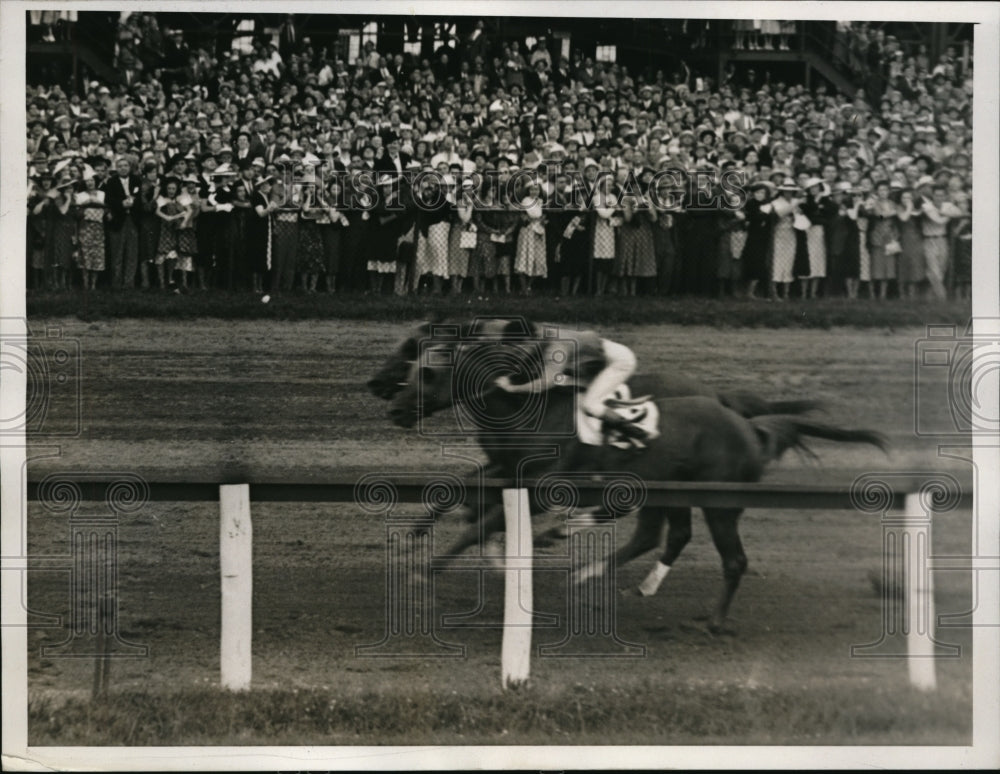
(353, 258)
(90, 210)
(170, 212)
(60, 231)
(665, 248)
(332, 228)
(567, 232)
(635, 253)
(961, 241)
(912, 264)
(187, 235)
(312, 261)
(38, 203)
(883, 237)
(841, 242)
(530, 258)
(433, 212)
(284, 237)
(754, 257)
(122, 191)
(461, 223)
(263, 205)
(937, 212)
(604, 229)
(235, 271)
(149, 223)
(783, 209)
(819, 208)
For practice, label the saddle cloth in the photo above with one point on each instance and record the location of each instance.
(645, 415)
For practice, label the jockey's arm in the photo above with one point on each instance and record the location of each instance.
(620, 366)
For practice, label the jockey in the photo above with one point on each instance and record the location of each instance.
(568, 360)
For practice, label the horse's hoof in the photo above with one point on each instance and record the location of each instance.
(718, 629)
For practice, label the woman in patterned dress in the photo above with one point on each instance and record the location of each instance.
(187, 232)
(90, 207)
(530, 259)
(170, 213)
(312, 261)
(883, 230)
(284, 238)
(483, 261)
(635, 254)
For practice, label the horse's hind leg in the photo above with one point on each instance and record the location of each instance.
(724, 526)
(678, 536)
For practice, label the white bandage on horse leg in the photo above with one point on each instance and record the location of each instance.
(652, 582)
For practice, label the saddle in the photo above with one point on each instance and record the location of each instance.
(640, 420)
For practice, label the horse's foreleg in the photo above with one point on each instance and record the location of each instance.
(648, 527)
(678, 536)
(492, 522)
(724, 526)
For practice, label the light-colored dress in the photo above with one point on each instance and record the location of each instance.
(530, 257)
(782, 240)
(432, 250)
(604, 232)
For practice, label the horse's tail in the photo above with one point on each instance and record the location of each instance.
(777, 434)
(748, 404)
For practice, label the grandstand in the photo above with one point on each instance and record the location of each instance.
(276, 153)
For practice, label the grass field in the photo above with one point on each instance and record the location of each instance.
(609, 310)
(289, 393)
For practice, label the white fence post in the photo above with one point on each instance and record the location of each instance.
(919, 602)
(515, 653)
(236, 563)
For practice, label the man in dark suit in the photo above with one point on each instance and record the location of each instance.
(122, 194)
(393, 160)
(288, 38)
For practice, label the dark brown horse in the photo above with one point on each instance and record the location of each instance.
(700, 440)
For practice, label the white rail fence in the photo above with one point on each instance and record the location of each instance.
(906, 505)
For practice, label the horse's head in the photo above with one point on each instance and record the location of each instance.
(464, 374)
(428, 387)
(395, 371)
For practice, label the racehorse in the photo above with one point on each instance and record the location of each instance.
(700, 440)
(392, 376)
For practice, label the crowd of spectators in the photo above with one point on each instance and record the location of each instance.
(288, 167)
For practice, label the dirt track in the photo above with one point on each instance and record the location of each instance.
(191, 393)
